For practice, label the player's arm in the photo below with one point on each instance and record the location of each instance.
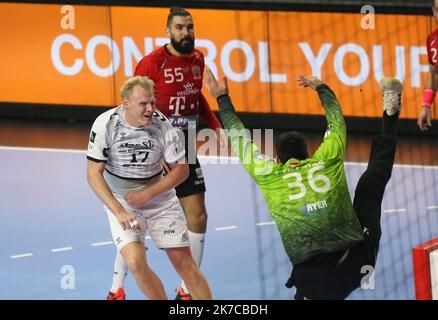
(334, 144)
(254, 162)
(97, 156)
(424, 120)
(174, 157)
(211, 120)
(207, 114)
(177, 174)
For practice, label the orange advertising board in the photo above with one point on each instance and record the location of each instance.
(348, 58)
(37, 68)
(261, 53)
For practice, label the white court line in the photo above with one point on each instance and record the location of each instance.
(62, 249)
(432, 207)
(261, 224)
(415, 166)
(199, 156)
(394, 210)
(225, 228)
(98, 244)
(23, 255)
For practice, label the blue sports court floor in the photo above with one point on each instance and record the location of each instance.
(54, 228)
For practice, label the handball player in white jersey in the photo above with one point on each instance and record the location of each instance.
(125, 153)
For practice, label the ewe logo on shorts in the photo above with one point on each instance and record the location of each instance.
(170, 231)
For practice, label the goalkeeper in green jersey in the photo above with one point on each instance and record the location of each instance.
(331, 241)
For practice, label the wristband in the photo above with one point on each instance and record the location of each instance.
(428, 97)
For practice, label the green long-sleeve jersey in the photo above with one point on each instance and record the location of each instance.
(308, 199)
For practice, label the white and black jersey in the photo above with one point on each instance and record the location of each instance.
(134, 153)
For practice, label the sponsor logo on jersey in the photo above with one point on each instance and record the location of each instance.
(196, 72)
(188, 86)
(328, 131)
(188, 90)
(92, 136)
(119, 124)
(132, 147)
(122, 134)
(314, 207)
(299, 166)
(180, 122)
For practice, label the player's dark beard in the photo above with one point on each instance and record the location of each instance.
(183, 46)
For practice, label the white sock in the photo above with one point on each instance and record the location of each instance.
(120, 272)
(197, 248)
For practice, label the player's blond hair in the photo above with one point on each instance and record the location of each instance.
(129, 85)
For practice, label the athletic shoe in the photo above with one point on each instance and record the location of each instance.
(118, 295)
(391, 91)
(182, 295)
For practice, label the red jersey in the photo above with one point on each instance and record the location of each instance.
(432, 48)
(178, 84)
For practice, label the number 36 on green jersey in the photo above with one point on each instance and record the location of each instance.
(312, 178)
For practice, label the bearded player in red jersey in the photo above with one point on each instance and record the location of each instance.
(177, 70)
(425, 118)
